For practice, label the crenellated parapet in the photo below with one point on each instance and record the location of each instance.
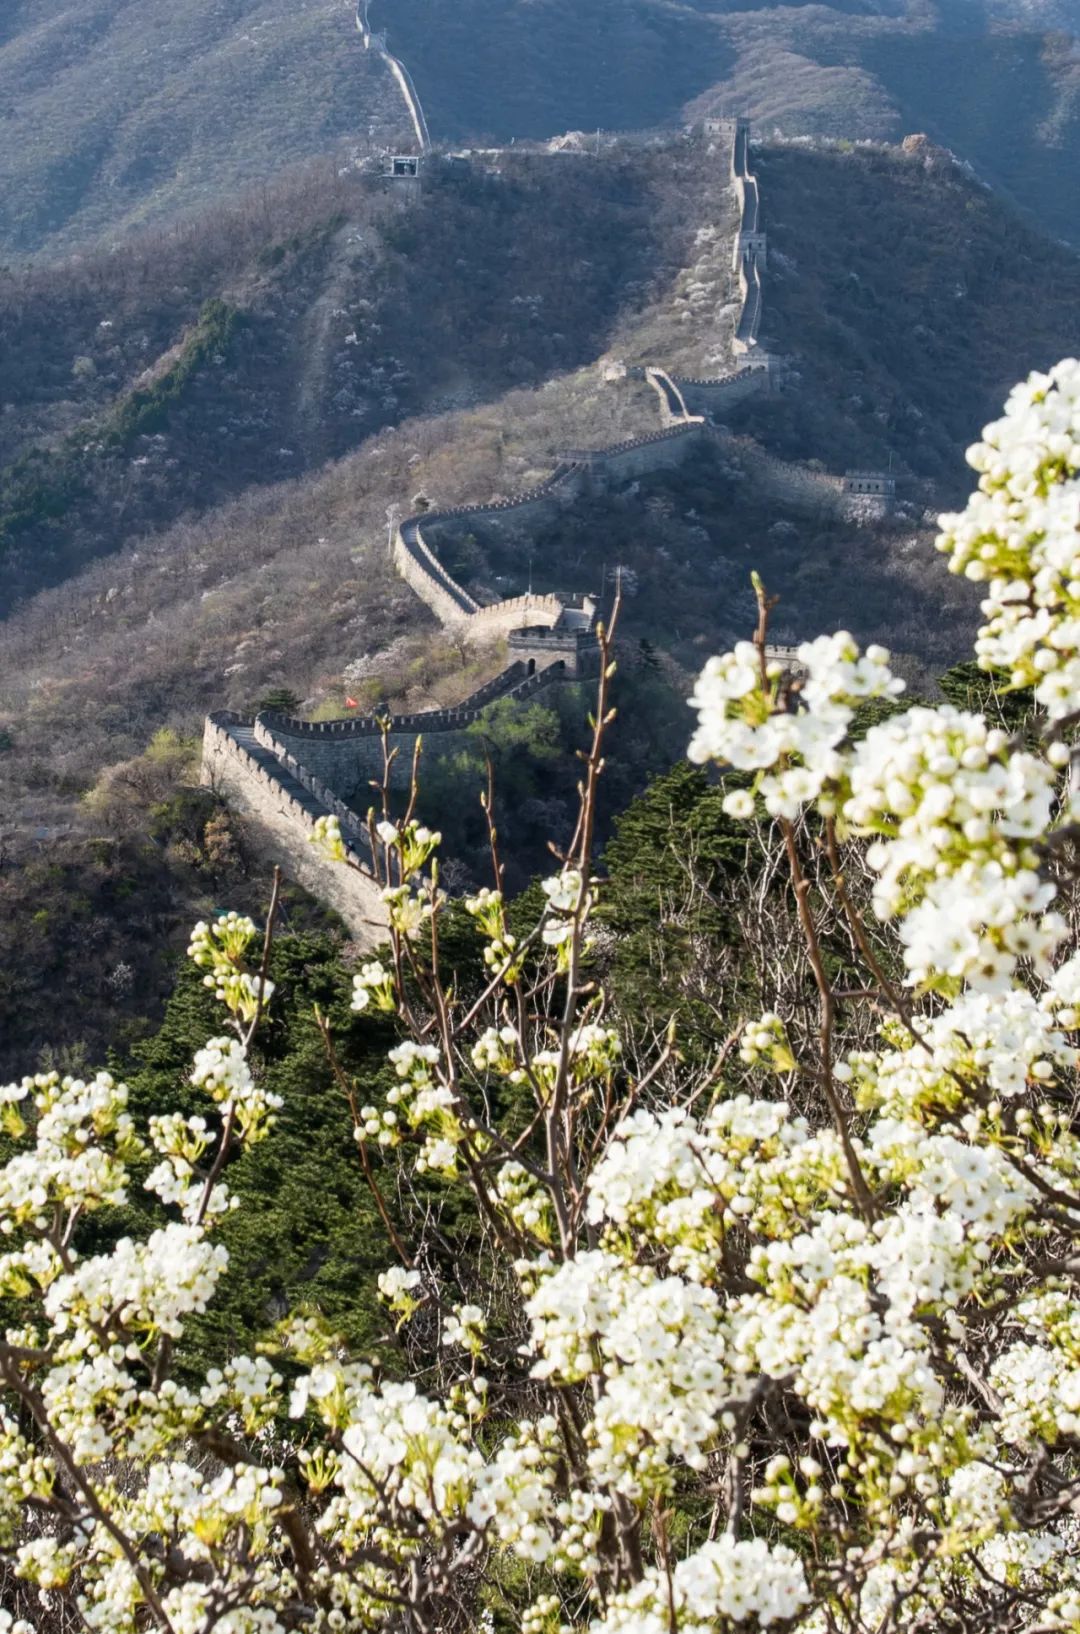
(341, 759)
(279, 805)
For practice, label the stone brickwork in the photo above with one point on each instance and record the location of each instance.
(279, 814)
(799, 486)
(882, 484)
(749, 250)
(343, 756)
(711, 398)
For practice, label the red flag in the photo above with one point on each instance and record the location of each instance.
(352, 703)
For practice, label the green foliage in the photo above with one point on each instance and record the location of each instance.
(147, 409)
(533, 746)
(282, 700)
(183, 815)
(37, 489)
(969, 687)
(308, 1230)
(670, 864)
(505, 728)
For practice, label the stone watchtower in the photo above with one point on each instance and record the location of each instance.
(872, 484)
(752, 249)
(869, 493)
(721, 128)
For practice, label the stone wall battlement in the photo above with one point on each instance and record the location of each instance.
(237, 738)
(606, 456)
(516, 613)
(279, 815)
(272, 728)
(721, 382)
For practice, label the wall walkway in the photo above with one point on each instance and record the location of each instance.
(404, 80)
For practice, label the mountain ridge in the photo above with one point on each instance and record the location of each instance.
(120, 112)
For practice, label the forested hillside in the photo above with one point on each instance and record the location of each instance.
(523, 1111)
(263, 339)
(114, 113)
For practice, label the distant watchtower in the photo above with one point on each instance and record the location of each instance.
(874, 484)
(869, 493)
(402, 177)
(721, 128)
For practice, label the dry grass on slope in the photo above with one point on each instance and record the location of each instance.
(275, 589)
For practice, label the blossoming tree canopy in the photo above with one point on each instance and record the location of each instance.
(793, 1345)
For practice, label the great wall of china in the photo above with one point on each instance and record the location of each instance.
(280, 775)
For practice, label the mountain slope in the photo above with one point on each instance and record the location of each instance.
(270, 338)
(116, 112)
(899, 292)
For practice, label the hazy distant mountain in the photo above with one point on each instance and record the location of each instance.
(117, 111)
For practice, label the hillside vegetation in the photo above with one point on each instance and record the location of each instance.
(901, 328)
(909, 302)
(119, 112)
(115, 113)
(998, 83)
(267, 338)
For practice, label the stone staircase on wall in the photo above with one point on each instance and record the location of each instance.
(281, 775)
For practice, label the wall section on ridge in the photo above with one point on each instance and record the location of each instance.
(279, 828)
(344, 757)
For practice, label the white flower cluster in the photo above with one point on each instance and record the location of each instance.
(465, 1326)
(83, 1137)
(861, 1335)
(525, 1200)
(326, 836)
(373, 987)
(397, 1287)
(569, 900)
(765, 1040)
(658, 1343)
(411, 842)
(147, 1287)
(954, 810)
(744, 722)
(722, 1582)
(409, 910)
(428, 1105)
(219, 949)
(221, 1067)
(500, 944)
(1020, 536)
(956, 814)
